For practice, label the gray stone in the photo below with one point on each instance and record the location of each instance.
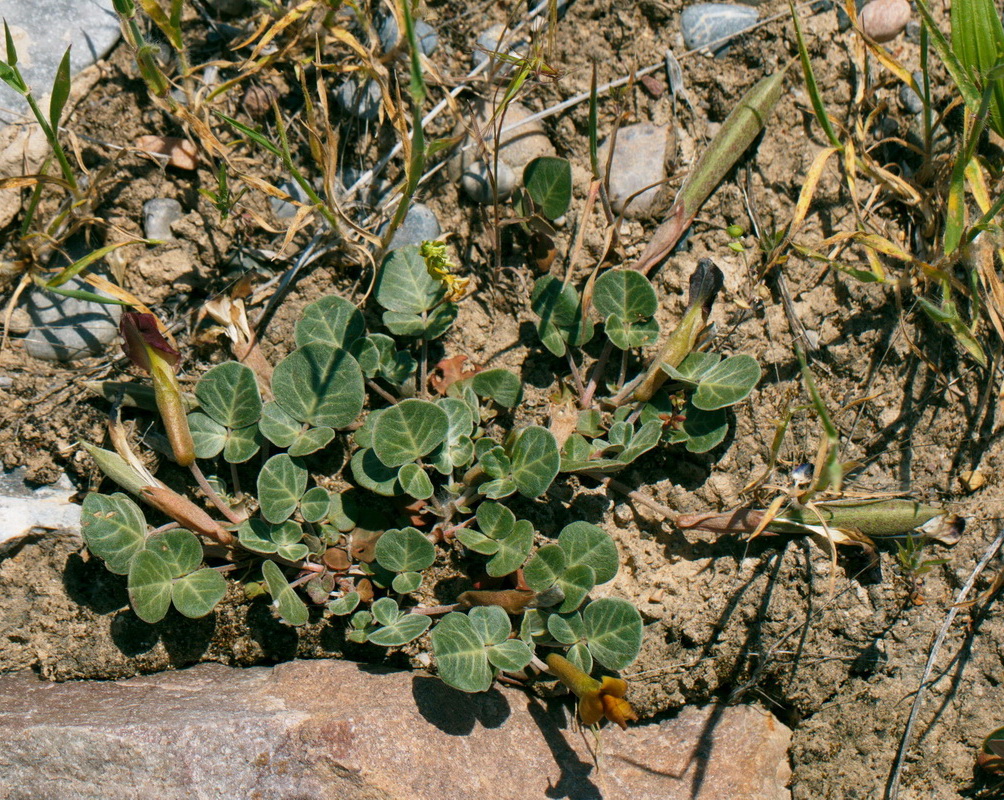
(42, 30)
(843, 21)
(361, 100)
(283, 209)
(428, 39)
(158, 214)
(476, 182)
(908, 98)
(25, 508)
(706, 23)
(639, 161)
(518, 145)
(419, 225)
(324, 729)
(64, 328)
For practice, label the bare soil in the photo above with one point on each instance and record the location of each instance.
(726, 619)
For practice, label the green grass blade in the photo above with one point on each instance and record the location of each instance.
(810, 83)
(978, 41)
(11, 50)
(252, 134)
(79, 266)
(60, 91)
(955, 215)
(963, 82)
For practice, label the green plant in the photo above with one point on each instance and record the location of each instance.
(451, 458)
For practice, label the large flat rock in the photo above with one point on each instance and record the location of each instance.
(335, 729)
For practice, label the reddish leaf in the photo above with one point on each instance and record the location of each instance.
(140, 331)
(449, 371)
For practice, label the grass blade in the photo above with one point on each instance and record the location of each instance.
(60, 91)
(810, 83)
(737, 133)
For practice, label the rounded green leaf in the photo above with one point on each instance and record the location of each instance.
(625, 294)
(371, 473)
(478, 542)
(385, 611)
(408, 431)
(315, 504)
(343, 512)
(545, 567)
(512, 550)
(229, 394)
(281, 484)
(548, 180)
(727, 383)
(196, 594)
(460, 654)
(286, 533)
(180, 549)
(613, 631)
(585, 543)
(292, 610)
(406, 582)
(415, 482)
(256, 535)
(344, 605)
(404, 284)
(208, 436)
(566, 628)
(310, 441)
(242, 443)
(579, 655)
(491, 623)
(501, 385)
(495, 520)
(149, 586)
(702, 430)
(575, 583)
(332, 321)
(460, 417)
(627, 335)
(320, 385)
(114, 529)
(535, 461)
(561, 319)
(278, 426)
(512, 655)
(406, 628)
(405, 550)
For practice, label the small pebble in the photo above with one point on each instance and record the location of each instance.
(64, 328)
(181, 153)
(912, 31)
(909, 99)
(884, 20)
(428, 39)
(360, 100)
(705, 23)
(972, 480)
(639, 160)
(257, 101)
(477, 185)
(283, 209)
(158, 214)
(623, 514)
(843, 21)
(419, 225)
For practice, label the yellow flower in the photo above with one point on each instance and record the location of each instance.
(440, 267)
(597, 699)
